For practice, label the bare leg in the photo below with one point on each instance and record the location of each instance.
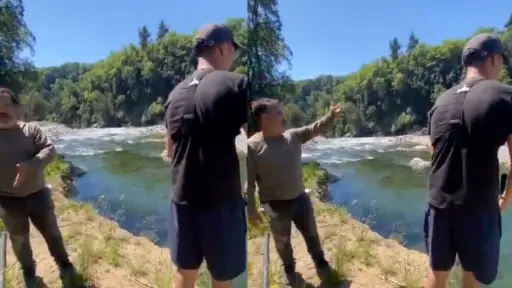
(437, 279)
(185, 278)
(469, 281)
(221, 284)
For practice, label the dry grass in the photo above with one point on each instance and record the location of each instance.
(358, 256)
(105, 255)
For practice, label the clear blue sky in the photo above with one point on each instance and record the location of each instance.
(326, 36)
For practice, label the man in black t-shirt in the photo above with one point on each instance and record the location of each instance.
(467, 126)
(204, 114)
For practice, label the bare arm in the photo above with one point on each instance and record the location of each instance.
(45, 150)
(169, 149)
(508, 191)
(429, 116)
(306, 133)
(244, 128)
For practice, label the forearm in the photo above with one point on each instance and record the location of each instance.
(321, 125)
(244, 128)
(46, 156)
(318, 127)
(168, 151)
(508, 191)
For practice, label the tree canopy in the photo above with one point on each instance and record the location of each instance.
(391, 95)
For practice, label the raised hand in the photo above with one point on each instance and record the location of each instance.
(335, 109)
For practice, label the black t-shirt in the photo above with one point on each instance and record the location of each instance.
(205, 166)
(472, 161)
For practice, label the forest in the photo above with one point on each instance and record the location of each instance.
(389, 96)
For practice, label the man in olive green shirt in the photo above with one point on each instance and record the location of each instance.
(274, 163)
(24, 153)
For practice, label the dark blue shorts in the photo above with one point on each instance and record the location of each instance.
(472, 235)
(219, 236)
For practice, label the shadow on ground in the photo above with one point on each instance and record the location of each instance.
(302, 283)
(40, 283)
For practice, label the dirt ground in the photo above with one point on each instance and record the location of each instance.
(110, 257)
(360, 257)
(106, 255)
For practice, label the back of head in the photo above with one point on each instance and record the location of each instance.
(215, 44)
(484, 54)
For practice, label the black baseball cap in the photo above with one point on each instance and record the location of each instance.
(482, 46)
(213, 34)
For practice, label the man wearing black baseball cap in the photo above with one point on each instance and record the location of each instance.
(467, 125)
(204, 114)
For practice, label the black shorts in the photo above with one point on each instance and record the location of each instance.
(219, 236)
(472, 235)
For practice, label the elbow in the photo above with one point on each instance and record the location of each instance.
(52, 151)
(49, 152)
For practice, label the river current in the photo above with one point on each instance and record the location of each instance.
(127, 182)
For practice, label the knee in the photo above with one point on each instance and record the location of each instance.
(281, 241)
(486, 276)
(437, 279)
(19, 239)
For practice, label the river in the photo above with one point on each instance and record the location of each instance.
(127, 182)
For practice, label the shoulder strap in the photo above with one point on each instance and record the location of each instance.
(188, 118)
(457, 115)
(458, 126)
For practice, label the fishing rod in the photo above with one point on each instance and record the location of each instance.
(265, 210)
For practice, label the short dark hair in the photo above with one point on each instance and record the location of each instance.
(14, 98)
(260, 106)
(473, 58)
(202, 50)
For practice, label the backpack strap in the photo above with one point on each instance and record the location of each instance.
(458, 126)
(188, 119)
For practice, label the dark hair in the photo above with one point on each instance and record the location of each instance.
(14, 98)
(474, 57)
(201, 48)
(260, 106)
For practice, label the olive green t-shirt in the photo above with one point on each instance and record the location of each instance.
(24, 143)
(275, 163)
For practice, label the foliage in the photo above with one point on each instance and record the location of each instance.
(386, 97)
(391, 95)
(314, 175)
(59, 167)
(128, 88)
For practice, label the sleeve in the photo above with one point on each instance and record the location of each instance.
(242, 101)
(45, 150)
(306, 133)
(507, 112)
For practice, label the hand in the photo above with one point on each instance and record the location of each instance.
(23, 173)
(164, 157)
(503, 203)
(335, 109)
(254, 217)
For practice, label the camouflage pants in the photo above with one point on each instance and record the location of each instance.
(39, 209)
(298, 211)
